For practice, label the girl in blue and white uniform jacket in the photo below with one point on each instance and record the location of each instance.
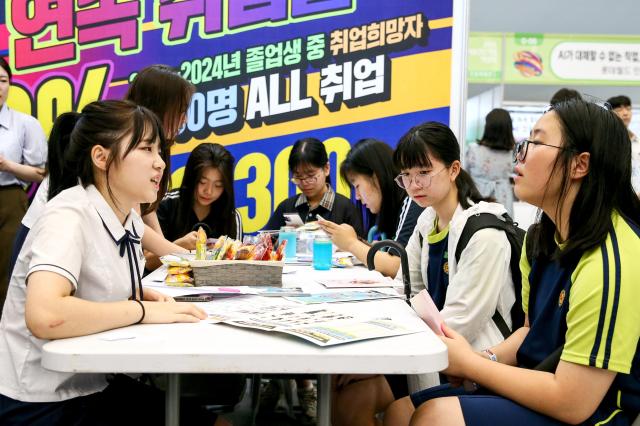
(467, 293)
(79, 272)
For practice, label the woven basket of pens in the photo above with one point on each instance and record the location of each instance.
(237, 272)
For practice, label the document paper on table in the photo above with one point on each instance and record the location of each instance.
(316, 324)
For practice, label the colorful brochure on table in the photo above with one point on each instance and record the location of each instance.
(214, 291)
(319, 325)
(343, 296)
(357, 282)
(279, 291)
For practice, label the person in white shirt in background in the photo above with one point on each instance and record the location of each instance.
(621, 105)
(23, 151)
(79, 272)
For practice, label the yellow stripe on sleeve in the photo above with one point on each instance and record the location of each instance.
(525, 270)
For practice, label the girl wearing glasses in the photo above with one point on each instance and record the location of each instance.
(579, 290)
(369, 168)
(468, 293)
(309, 165)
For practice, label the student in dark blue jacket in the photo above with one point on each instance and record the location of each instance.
(369, 168)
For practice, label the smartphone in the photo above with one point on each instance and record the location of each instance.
(293, 219)
(194, 298)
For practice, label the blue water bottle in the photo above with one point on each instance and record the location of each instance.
(322, 250)
(288, 233)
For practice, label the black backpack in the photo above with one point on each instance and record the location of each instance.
(515, 235)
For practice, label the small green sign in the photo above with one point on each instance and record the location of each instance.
(528, 39)
(485, 58)
(529, 58)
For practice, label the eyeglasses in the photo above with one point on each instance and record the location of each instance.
(422, 179)
(521, 149)
(310, 179)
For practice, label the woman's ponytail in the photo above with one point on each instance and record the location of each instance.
(62, 172)
(467, 190)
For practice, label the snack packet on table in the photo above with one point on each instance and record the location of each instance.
(280, 251)
(176, 270)
(179, 280)
(245, 252)
(258, 251)
(217, 247)
(201, 244)
(225, 246)
(266, 239)
(233, 249)
(172, 260)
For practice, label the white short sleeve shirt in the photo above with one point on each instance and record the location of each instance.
(37, 204)
(80, 238)
(21, 141)
(635, 163)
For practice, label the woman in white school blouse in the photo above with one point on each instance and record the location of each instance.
(79, 273)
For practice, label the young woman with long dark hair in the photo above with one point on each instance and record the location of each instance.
(205, 198)
(489, 161)
(370, 170)
(78, 273)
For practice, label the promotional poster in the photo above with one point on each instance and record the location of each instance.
(266, 73)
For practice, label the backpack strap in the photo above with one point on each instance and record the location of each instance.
(487, 220)
(550, 363)
(501, 324)
(477, 222)
(531, 233)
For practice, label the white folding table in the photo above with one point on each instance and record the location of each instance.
(217, 348)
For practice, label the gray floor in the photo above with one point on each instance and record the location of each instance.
(241, 416)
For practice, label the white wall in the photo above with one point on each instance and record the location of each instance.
(557, 16)
(478, 107)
